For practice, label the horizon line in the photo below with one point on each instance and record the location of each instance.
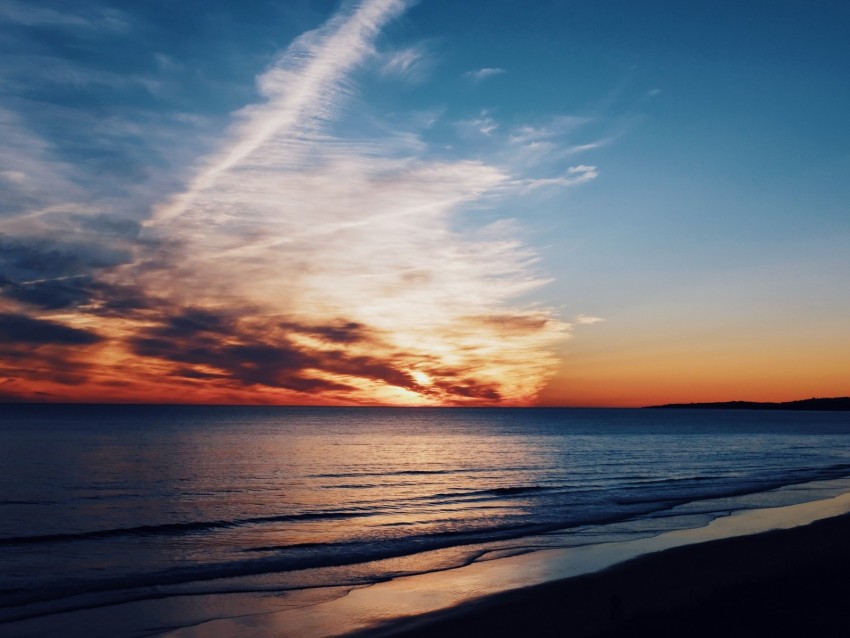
(433, 407)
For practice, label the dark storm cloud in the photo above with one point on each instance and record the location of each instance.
(34, 259)
(341, 332)
(51, 294)
(73, 292)
(338, 361)
(24, 259)
(189, 373)
(253, 363)
(472, 389)
(191, 322)
(54, 275)
(18, 329)
(119, 300)
(215, 341)
(39, 350)
(53, 362)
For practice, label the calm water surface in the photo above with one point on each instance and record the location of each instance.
(115, 503)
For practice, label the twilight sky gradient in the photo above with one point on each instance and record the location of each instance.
(424, 203)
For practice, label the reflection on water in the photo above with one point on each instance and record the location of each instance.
(434, 591)
(111, 503)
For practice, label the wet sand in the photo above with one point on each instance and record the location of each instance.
(789, 582)
(765, 572)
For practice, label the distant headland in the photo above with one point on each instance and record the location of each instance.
(835, 403)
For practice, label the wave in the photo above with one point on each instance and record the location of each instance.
(471, 470)
(506, 491)
(303, 556)
(170, 529)
(331, 555)
(77, 596)
(5, 502)
(374, 474)
(662, 492)
(726, 487)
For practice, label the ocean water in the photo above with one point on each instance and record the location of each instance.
(103, 506)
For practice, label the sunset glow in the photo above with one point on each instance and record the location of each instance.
(364, 205)
(302, 266)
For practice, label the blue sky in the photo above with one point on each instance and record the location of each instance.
(636, 202)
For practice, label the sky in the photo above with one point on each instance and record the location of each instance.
(372, 202)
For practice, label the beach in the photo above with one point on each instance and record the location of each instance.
(777, 583)
(315, 523)
(414, 319)
(776, 571)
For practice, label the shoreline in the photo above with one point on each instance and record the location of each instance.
(780, 582)
(777, 567)
(576, 591)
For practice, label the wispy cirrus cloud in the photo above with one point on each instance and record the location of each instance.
(411, 64)
(303, 262)
(479, 75)
(302, 88)
(554, 127)
(483, 124)
(554, 140)
(574, 176)
(88, 18)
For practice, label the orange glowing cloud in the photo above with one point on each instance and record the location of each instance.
(299, 266)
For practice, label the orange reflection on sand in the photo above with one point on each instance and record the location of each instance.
(406, 597)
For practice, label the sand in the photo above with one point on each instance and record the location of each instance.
(728, 578)
(791, 582)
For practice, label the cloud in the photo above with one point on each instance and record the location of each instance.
(303, 87)
(303, 261)
(555, 127)
(410, 64)
(15, 177)
(581, 148)
(581, 169)
(575, 175)
(307, 227)
(19, 329)
(587, 320)
(484, 124)
(53, 274)
(552, 140)
(248, 350)
(32, 178)
(482, 74)
(69, 17)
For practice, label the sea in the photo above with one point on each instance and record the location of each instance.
(205, 508)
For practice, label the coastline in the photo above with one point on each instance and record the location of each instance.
(586, 490)
(780, 582)
(578, 591)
